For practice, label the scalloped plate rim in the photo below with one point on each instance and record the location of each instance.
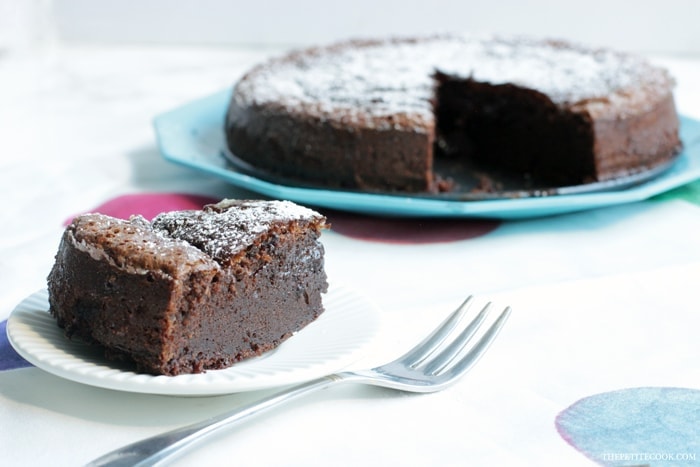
(339, 337)
(179, 136)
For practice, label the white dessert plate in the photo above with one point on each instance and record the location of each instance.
(335, 340)
(193, 136)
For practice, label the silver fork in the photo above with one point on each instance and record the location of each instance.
(434, 364)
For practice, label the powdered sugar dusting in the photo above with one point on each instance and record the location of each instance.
(223, 229)
(178, 242)
(133, 245)
(395, 76)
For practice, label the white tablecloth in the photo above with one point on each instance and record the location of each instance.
(605, 310)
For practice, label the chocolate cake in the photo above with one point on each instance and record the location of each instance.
(190, 290)
(408, 114)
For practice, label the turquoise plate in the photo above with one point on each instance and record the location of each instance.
(192, 136)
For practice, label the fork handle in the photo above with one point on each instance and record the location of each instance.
(156, 448)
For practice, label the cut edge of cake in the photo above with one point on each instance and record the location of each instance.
(190, 291)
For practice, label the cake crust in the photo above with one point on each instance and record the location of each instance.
(191, 290)
(366, 114)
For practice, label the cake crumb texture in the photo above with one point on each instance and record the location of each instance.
(192, 290)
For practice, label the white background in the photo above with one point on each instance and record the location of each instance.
(602, 300)
(647, 26)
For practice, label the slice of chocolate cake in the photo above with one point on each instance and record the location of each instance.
(191, 290)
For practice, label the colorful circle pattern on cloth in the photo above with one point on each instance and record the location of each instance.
(9, 359)
(658, 426)
(689, 192)
(403, 230)
(150, 205)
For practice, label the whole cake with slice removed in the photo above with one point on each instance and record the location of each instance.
(414, 114)
(190, 291)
